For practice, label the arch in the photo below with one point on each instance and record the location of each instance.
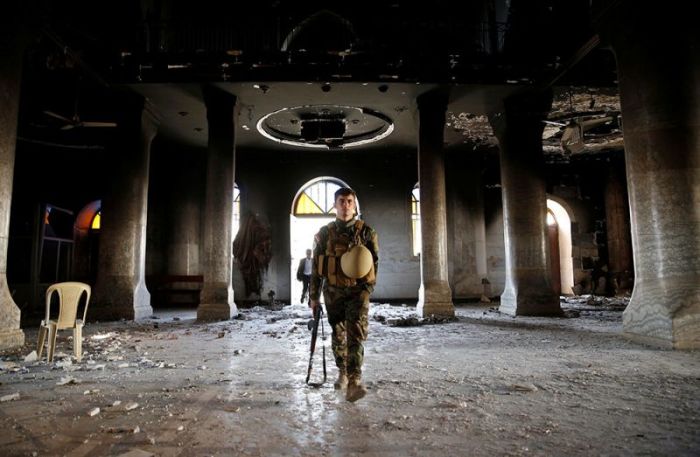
(86, 234)
(86, 217)
(322, 24)
(315, 198)
(566, 264)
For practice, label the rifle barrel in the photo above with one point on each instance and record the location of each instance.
(317, 316)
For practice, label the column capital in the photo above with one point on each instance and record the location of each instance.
(649, 29)
(150, 121)
(219, 103)
(136, 117)
(434, 100)
(522, 113)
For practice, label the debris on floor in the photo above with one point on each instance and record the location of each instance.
(486, 384)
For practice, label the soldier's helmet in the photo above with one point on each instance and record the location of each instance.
(357, 262)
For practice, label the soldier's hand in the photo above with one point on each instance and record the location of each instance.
(364, 296)
(313, 304)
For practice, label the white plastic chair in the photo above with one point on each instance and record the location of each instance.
(69, 294)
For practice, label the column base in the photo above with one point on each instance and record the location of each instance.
(117, 297)
(216, 302)
(665, 313)
(216, 312)
(10, 334)
(435, 299)
(11, 338)
(437, 309)
(530, 304)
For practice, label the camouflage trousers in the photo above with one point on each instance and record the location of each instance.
(347, 309)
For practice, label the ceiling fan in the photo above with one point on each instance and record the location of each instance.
(75, 121)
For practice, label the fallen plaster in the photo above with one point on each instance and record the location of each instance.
(483, 384)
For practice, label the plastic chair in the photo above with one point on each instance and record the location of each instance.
(69, 294)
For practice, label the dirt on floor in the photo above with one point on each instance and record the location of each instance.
(483, 384)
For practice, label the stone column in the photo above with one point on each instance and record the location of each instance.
(217, 250)
(434, 295)
(10, 77)
(618, 231)
(120, 290)
(528, 289)
(660, 95)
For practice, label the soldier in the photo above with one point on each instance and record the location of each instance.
(304, 274)
(345, 292)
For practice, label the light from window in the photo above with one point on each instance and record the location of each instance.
(415, 220)
(317, 199)
(96, 221)
(236, 210)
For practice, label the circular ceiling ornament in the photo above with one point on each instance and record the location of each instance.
(325, 126)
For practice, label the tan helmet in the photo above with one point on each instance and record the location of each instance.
(357, 262)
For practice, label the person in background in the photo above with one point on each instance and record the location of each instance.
(304, 274)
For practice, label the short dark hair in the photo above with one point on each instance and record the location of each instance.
(344, 191)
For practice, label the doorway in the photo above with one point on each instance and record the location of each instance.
(560, 243)
(312, 208)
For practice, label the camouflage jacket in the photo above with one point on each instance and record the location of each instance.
(368, 237)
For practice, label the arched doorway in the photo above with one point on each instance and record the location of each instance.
(86, 239)
(415, 220)
(311, 209)
(554, 260)
(559, 230)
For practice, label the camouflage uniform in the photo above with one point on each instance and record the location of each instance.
(347, 299)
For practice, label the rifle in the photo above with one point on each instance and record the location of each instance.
(313, 326)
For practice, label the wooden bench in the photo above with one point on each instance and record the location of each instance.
(174, 290)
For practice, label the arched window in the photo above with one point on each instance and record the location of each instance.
(86, 241)
(236, 210)
(415, 219)
(324, 32)
(89, 218)
(317, 198)
(95, 224)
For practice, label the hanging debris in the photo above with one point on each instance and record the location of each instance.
(252, 250)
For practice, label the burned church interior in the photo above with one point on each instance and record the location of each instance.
(531, 169)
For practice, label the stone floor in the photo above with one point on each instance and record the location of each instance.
(486, 384)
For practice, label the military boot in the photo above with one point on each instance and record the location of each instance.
(356, 390)
(341, 382)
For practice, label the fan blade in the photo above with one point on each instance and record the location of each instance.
(560, 124)
(98, 124)
(57, 116)
(69, 126)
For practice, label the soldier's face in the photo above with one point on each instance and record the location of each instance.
(345, 207)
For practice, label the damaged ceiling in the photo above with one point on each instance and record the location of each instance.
(375, 57)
